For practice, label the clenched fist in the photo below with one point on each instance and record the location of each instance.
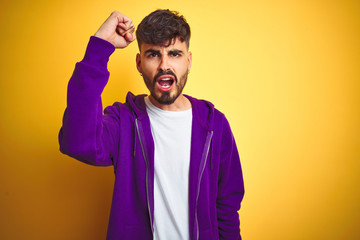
(118, 29)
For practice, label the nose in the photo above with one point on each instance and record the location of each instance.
(164, 64)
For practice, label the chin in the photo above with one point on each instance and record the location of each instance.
(165, 98)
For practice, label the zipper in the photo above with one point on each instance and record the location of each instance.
(147, 174)
(203, 159)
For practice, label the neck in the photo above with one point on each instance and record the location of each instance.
(182, 103)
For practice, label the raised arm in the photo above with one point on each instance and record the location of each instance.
(87, 134)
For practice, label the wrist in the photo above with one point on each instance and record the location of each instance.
(101, 36)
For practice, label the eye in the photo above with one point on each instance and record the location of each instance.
(175, 54)
(154, 54)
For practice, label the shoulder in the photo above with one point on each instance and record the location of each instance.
(134, 107)
(208, 114)
(117, 109)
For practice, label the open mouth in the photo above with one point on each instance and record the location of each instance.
(165, 82)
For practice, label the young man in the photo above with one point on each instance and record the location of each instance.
(177, 168)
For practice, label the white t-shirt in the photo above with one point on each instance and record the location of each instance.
(171, 131)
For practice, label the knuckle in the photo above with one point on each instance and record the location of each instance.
(115, 13)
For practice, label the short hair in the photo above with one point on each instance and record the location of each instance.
(162, 27)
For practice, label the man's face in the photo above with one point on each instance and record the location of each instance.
(164, 69)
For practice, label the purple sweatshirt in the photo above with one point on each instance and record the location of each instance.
(122, 137)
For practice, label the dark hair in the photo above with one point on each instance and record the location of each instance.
(161, 27)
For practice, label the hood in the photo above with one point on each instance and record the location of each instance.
(203, 110)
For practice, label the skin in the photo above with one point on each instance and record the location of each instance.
(118, 29)
(153, 61)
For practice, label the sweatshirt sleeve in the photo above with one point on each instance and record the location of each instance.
(230, 187)
(87, 134)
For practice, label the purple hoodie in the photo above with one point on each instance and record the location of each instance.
(122, 137)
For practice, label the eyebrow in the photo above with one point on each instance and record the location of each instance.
(177, 51)
(151, 50)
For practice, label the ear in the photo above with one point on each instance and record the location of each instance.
(138, 63)
(189, 61)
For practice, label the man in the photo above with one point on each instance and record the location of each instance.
(177, 168)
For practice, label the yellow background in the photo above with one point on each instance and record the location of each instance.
(285, 73)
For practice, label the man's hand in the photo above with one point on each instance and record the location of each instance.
(118, 29)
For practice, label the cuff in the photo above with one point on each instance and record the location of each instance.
(98, 52)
